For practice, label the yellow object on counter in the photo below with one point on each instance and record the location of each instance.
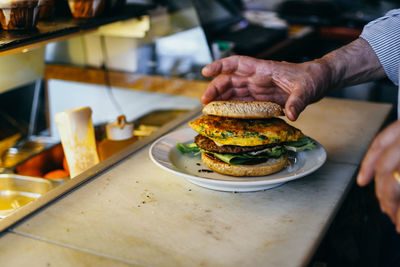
(78, 139)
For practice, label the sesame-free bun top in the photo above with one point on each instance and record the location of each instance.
(243, 109)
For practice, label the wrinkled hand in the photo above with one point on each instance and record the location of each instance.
(291, 85)
(382, 161)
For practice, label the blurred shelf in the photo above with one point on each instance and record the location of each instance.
(148, 83)
(61, 28)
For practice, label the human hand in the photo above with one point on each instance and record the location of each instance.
(382, 161)
(291, 85)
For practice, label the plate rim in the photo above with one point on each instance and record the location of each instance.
(225, 182)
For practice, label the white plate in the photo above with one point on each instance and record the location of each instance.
(164, 153)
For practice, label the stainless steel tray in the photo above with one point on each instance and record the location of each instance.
(17, 191)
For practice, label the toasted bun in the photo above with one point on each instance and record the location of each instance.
(243, 109)
(268, 167)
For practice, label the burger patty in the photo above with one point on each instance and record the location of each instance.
(209, 145)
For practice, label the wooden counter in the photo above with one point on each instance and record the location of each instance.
(138, 214)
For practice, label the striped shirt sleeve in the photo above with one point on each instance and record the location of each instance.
(383, 34)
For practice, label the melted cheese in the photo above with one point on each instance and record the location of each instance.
(240, 132)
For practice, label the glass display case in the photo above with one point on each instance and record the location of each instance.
(143, 66)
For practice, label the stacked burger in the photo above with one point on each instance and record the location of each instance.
(245, 138)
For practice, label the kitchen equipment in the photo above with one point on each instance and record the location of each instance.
(17, 191)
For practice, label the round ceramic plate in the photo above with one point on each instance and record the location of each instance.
(165, 154)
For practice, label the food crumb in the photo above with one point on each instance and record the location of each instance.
(81, 212)
(67, 229)
(190, 189)
(137, 182)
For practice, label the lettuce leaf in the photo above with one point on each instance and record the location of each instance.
(248, 157)
(233, 158)
(189, 148)
(302, 144)
(305, 143)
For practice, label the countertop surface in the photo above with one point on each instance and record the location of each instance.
(138, 214)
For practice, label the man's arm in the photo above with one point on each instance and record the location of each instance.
(352, 64)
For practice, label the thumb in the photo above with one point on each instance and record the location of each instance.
(294, 106)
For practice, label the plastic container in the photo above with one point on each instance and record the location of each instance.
(119, 136)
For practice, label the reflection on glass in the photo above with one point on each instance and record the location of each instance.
(147, 69)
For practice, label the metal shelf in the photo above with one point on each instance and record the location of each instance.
(61, 28)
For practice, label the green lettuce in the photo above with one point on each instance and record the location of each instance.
(189, 148)
(305, 143)
(302, 144)
(235, 159)
(274, 152)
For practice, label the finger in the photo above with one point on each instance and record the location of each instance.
(398, 220)
(225, 65)
(246, 98)
(271, 93)
(216, 88)
(294, 105)
(386, 186)
(240, 92)
(386, 197)
(389, 160)
(221, 84)
(227, 95)
(380, 143)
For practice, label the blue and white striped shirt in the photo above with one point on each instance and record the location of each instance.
(383, 34)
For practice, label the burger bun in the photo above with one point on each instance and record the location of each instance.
(272, 165)
(243, 109)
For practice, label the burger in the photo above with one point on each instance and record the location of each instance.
(245, 138)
